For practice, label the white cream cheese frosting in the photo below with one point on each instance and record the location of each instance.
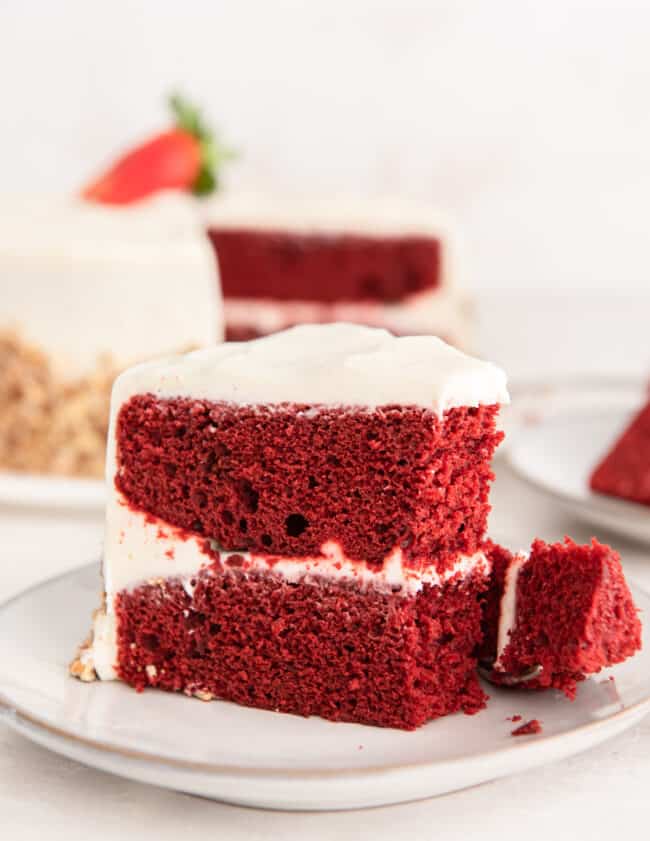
(508, 606)
(336, 214)
(326, 364)
(81, 281)
(140, 547)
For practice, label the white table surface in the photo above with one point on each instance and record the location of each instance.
(602, 793)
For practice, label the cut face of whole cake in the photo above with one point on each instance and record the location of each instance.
(297, 523)
(384, 264)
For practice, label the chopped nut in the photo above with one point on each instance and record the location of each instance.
(50, 423)
(204, 696)
(82, 666)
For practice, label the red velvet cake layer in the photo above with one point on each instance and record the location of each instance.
(574, 614)
(311, 648)
(625, 471)
(285, 265)
(286, 479)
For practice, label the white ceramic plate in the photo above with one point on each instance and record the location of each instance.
(266, 759)
(532, 402)
(51, 491)
(558, 454)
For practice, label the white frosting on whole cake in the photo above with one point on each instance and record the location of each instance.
(440, 312)
(81, 280)
(340, 214)
(140, 548)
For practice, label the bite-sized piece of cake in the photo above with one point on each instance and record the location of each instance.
(296, 523)
(557, 614)
(86, 290)
(383, 263)
(625, 470)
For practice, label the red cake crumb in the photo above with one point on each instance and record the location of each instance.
(284, 480)
(315, 647)
(530, 728)
(574, 614)
(284, 265)
(625, 470)
(514, 718)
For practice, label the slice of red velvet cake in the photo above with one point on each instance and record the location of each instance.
(625, 470)
(383, 264)
(296, 523)
(557, 615)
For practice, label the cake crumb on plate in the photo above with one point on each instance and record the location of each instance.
(529, 728)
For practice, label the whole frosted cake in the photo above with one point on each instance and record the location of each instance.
(87, 290)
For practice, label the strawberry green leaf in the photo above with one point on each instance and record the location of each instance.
(213, 153)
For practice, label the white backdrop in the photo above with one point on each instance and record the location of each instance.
(528, 121)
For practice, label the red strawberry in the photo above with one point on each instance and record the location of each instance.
(186, 158)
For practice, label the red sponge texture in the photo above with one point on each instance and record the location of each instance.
(313, 648)
(625, 470)
(286, 479)
(284, 265)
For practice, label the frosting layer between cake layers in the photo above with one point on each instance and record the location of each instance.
(444, 313)
(140, 549)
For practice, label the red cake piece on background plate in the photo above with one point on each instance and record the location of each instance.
(625, 470)
(557, 615)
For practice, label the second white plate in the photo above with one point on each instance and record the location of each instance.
(558, 454)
